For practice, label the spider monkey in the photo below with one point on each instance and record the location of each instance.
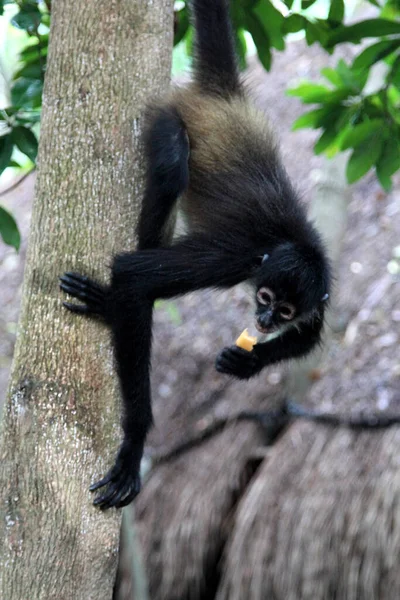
(210, 152)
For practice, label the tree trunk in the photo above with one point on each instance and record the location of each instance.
(59, 430)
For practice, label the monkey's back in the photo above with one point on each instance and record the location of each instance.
(232, 159)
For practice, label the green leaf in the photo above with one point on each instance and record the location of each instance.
(365, 155)
(8, 229)
(28, 118)
(241, 48)
(28, 18)
(393, 77)
(272, 22)
(332, 76)
(33, 70)
(27, 93)
(289, 3)
(389, 10)
(189, 41)
(6, 148)
(261, 40)
(311, 93)
(33, 51)
(336, 11)
(389, 161)
(349, 118)
(353, 79)
(306, 4)
(181, 25)
(26, 141)
(316, 32)
(309, 119)
(358, 134)
(326, 139)
(320, 117)
(364, 29)
(375, 53)
(44, 40)
(46, 19)
(14, 164)
(294, 23)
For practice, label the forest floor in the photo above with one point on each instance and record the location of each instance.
(361, 370)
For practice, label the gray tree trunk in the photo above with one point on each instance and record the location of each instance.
(60, 423)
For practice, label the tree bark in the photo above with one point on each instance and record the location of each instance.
(60, 426)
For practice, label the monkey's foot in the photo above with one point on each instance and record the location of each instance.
(91, 293)
(238, 362)
(122, 481)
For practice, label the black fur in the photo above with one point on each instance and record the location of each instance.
(167, 146)
(215, 60)
(206, 146)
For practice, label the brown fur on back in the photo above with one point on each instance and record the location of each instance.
(217, 127)
(229, 139)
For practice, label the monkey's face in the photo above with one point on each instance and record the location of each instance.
(273, 310)
(290, 285)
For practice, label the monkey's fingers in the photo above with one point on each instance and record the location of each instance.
(131, 496)
(85, 290)
(77, 308)
(106, 480)
(83, 283)
(120, 492)
(119, 495)
(237, 362)
(231, 357)
(113, 496)
(82, 292)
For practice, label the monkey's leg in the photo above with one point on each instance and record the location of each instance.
(167, 152)
(138, 279)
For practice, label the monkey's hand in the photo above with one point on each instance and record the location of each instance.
(123, 480)
(238, 362)
(93, 295)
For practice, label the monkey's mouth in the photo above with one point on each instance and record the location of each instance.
(261, 329)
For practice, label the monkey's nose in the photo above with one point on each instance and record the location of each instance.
(264, 322)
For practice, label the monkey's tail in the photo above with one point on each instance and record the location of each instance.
(215, 66)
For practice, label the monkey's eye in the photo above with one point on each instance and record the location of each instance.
(265, 296)
(287, 311)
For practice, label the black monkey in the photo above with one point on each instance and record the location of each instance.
(208, 147)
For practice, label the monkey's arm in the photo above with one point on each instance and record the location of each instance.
(137, 280)
(295, 342)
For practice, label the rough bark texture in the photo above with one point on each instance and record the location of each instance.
(60, 427)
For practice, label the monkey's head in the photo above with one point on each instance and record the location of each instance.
(291, 284)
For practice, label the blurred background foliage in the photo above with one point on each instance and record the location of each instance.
(348, 118)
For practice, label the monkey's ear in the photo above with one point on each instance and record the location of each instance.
(262, 259)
